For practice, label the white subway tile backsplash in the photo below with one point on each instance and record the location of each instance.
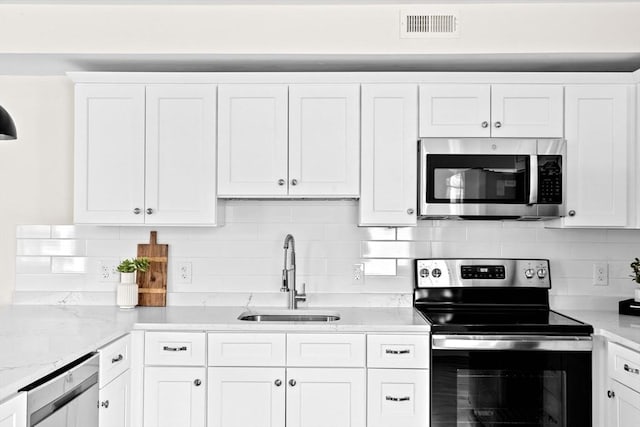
(241, 262)
(69, 265)
(33, 231)
(33, 264)
(53, 247)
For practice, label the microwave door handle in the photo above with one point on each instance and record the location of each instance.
(533, 177)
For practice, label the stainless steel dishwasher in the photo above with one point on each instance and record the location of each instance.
(67, 397)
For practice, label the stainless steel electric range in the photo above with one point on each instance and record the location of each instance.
(499, 355)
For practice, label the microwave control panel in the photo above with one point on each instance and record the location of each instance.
(550, 179)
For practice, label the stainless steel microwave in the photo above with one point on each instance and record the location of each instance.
(489, 178)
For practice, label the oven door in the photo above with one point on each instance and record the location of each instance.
(510, 381)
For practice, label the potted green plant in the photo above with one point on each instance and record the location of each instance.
(127, 293)
(635, 267)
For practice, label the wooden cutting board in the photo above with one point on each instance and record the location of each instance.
(152, 285)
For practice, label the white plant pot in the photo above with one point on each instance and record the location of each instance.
(636, 295)
(127, 292)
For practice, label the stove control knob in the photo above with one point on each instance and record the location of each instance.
(529, 273)
(542, 273)
(424, 273)
(436, 273)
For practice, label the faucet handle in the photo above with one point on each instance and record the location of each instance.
(302, 296)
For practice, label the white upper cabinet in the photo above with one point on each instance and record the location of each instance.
(482, 110)
(145, 154)
(389, 155)
(455, 110)
(252, 140)
(526, 111)
(181, 154)
(598, 126)
(289, 140)
(324, 140)
(109, 153)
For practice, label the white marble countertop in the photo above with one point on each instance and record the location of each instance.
(36, 340)
(616, 327)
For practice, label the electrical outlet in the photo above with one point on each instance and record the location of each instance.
(357, 277)
(600, 274)
(108, 270)
(184, 273)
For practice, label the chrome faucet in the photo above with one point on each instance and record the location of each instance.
(289, 275)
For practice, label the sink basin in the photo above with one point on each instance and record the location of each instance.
(289, 316)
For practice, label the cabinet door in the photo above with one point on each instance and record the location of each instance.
(181, 154)
(624, 406)
(398, 397)
(13, 412)
(115, 402)
(460, 110)
(526, 111)
(389, 154)
(241, 397)
(597, 133)
(324, 140)
(109, 154)
(174, 397)
(252, 140)
(321, 397)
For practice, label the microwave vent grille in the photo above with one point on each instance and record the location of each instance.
(428, 24)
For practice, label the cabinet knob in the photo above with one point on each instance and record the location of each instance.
(149, 211)
(281, 182)
(278, 383)
(410, 211)
(294, 182)
(498, 124)
(485, 124)
(104, 404)
(197, 383)
(292, 383)
(611, 394)
(572, 213)
(137, 211)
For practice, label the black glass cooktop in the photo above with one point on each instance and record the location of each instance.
(504, 322)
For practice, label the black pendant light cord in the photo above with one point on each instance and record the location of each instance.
(7, 126)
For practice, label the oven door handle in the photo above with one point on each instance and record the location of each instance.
(511, 342)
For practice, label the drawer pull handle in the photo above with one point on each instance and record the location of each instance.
(104, 404)
(167, 348)
(117, 359)
(397, 351)
(398, 399)
(632, 370)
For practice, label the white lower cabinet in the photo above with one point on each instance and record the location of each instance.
(114, 402)
(13, 412)
(398, 397)
(241, 397)
(174, 396)
(623, 393)
(624, 406)
(320, 397)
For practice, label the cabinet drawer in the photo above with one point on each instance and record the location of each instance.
(115, 358)
(624, 366)
(398, 351)
(398, 397)
(174, 348)
(246, 349)
(333, 350)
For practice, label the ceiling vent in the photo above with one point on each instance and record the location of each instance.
(428, 24)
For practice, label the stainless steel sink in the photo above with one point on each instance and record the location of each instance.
(289, 316)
